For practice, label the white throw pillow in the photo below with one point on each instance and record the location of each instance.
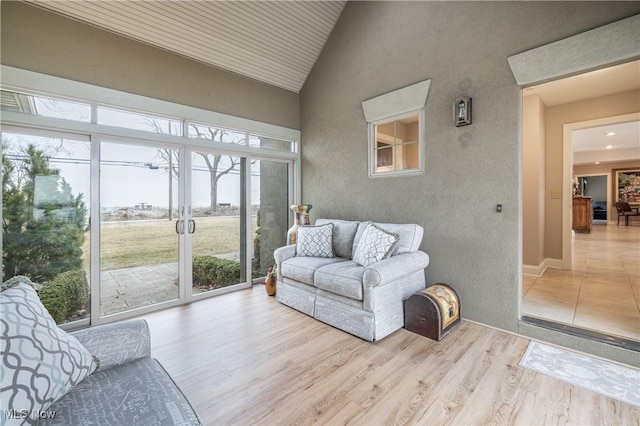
(315, 241)
(40, 361)
(375, 245)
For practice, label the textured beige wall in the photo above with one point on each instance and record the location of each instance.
(377, 47)
(533, 129)
(41, 41)
(557, 117)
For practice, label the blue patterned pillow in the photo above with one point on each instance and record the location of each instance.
(375, 245)
(40, 362)
(315, 241)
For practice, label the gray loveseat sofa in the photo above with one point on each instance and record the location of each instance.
(367, 301)
(102, 375)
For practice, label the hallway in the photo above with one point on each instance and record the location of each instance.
(601, 293)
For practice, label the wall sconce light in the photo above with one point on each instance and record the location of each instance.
(462, 111)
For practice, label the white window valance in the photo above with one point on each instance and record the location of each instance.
(410, 98)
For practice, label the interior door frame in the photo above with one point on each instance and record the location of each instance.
(567, 177)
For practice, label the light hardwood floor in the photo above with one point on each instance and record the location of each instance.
(244, 359)
(601, 293)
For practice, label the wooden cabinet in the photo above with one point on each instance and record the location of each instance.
(582, 214)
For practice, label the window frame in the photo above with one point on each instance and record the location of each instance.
(372, 146)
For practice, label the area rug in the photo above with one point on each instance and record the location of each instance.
(609, 379)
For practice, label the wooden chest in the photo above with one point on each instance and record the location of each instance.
(433, 312)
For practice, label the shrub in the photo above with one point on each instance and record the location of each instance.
(212, 272)
(39, 240)
(65, 294)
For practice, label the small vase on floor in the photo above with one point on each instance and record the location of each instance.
(302, 218)
(270, 286)
(270, 281)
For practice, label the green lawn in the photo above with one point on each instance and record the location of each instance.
(150, 242)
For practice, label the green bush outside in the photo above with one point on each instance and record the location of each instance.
(39, 240)
(65, 294)
(212, 272)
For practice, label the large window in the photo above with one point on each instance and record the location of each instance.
(137, 121)
(45, 219)
(135, 203)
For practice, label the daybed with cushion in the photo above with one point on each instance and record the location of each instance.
(102, 375)
(353, 275)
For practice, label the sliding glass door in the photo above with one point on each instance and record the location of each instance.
(217, 221)
(177, 223)
(139, 232)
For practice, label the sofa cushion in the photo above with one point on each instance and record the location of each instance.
(137, 393)
(410, 236)
(315, 241)
(40, 361)
(302, 268)
(344, 231)
(344, 279)
(374, 245)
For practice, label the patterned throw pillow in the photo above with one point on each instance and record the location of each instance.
(375, 245)
(315, 241)
(40, 362)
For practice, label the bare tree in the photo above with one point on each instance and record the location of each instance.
(218, 165)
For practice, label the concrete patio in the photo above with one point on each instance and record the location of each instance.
(131, 288)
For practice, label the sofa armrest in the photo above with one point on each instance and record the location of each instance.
(283, 253)
(118, 343)
(393, 268)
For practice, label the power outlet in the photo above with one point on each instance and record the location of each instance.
(556, 195)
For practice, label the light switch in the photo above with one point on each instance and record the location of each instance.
(555, 195)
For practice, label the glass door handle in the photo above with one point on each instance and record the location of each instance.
(179, 226)
(192, 226)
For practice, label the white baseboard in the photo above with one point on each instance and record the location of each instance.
(554, 263)
(538, 270)
(533, 270)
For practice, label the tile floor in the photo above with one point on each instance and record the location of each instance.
(601, 293)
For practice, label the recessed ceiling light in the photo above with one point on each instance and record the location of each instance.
(597, 162)
(609, 146)
(610, 133)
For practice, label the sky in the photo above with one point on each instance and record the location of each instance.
(128, 173)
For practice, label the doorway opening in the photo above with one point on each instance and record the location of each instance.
(579, 279)
(595, 187)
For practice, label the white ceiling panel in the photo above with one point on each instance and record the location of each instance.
(276, 42)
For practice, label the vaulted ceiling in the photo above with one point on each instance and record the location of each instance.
(276, 42)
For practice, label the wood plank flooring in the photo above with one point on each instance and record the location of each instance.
(244, 359)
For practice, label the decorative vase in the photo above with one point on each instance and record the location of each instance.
(302, 218)
(270, 285)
